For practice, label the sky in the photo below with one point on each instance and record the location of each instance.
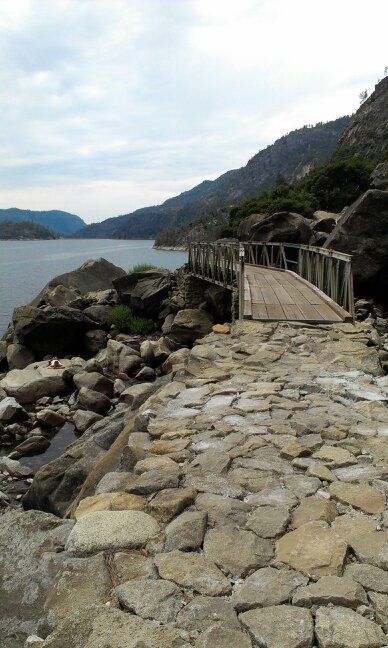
(111, 105)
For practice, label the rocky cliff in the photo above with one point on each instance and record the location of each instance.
(366, 133)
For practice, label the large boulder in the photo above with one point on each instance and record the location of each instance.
(380, 177)
(92, 276)
(286, 227)
(51, 331)
(219, 303)
(362, 231)
(119, 357)
(56, 484)
(144, 291)
(189, 325)
(31, 555)
(323, 221)
(37, 380)
(18, 356)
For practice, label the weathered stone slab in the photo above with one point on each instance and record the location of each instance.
(266, 587)
(281, 626)
(118, 501)
(380, 604)
(194, 571)
(351, 525)
(331, 589)
(236, 551)
(151, 599)
(187, 531)
(372, 548)
(313, 549)
(370, 577)
(203, 612)
(269, 521)
(313, 508)
(340, 627)
(222, 637)
(112, 530)
(169, 502)
(360, 496)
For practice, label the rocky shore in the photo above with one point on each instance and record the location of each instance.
(235, 495)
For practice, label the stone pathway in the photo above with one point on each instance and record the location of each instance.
(249, 510)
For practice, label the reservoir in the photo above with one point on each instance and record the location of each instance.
(26, 266)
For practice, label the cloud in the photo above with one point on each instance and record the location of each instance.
(110, 106)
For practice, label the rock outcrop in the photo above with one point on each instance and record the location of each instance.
(283, 227)
(144, 291)
(362, 231)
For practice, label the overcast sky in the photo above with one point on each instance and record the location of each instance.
(111, 105)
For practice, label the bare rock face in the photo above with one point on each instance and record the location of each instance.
(144, 291)
(362, 231)
(93, 275)
(189, 325)
(284, 227)
(31, 554)
(52, 331)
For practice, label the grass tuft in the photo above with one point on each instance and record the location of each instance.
(124, 319)
(141, 267)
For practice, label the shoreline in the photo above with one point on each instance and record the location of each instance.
(170, 248)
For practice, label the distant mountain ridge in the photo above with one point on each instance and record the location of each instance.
(290, 157)
(60, 222)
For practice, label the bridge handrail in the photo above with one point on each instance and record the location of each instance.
(223, 263)
(330, 271)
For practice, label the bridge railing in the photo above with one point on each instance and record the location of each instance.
(223, 264)
(328, 270)
(220, 263)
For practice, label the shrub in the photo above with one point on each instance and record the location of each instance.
(123, 318)
(141, 267)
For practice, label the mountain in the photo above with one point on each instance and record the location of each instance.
(57, 221)
(290, 157)
(366, 133)
(24, 230)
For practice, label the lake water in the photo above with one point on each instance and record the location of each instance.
(26, 266)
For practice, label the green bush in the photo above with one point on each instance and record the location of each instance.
(141, 267)
(124, 319)
(330, 188)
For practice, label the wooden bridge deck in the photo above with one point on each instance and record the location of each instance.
(273, 294)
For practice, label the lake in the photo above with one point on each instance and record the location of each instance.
(26, 266)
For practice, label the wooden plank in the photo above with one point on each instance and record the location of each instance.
(257, 295)
(328, 313)
(276, 312)
(310, 313)
(292, 312)
(269, 295)
(259, 312)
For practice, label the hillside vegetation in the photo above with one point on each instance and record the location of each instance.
(330, 188)
(24, 230)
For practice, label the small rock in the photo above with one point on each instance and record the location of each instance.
(147, 373)
(168, 502)
(221, 328)
(236, 551)
(360, 496)
(313, 508)
(266, 587)
(194, 571)
(340, 627)
(102, 530)
(281, 626)
(268, 521)
(372, 548)
(331, 589)
(223, 637)
(151, 599)
(313, 549)
(370, 577)
(186, 532)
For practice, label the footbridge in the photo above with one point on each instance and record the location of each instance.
(279, 281)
